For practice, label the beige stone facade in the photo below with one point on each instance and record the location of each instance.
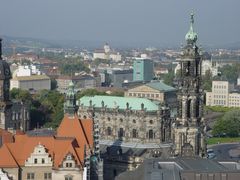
(221, 95)
(154, 91)
(130, 126)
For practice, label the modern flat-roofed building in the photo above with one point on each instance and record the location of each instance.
(223, 95)
(143, 69)
(33, 82)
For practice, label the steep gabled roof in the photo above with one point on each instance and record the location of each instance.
(72, 136)
(82, 130)
(6, 158)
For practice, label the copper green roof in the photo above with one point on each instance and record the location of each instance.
(120, 102)
(160, 86)
(191, 36)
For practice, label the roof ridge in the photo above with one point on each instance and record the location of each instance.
(84, 132)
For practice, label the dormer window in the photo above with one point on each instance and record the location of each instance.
(69, 161)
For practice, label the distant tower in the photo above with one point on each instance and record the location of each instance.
(70, 100)
(5, 102)
(189, 128)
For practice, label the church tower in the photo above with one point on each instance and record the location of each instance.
(189, 127)
(5, 102)
(70, 100)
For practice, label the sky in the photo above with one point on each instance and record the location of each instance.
(150, 22)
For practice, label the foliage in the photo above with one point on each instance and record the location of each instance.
(117, 93)
(89, 92)
(219, 108)
(207, 81)
(216, 140)
(168, 78)
(229, 124)
(20, 94)
(71, 66)
(230, 72)
(46, 107)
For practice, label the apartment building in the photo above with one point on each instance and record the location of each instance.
(223, 95)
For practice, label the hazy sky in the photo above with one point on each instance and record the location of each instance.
(124, 21)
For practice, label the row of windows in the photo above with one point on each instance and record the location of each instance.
(219, 96)
(39, 161)
(121, 133)
(31, 176)
(220, 86)
(234, 97)
(144, 95)
(47, 176)
(219, 102)
(134, 121)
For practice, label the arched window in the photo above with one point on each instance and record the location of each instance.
(134, 133)
(109, 131)
(120, 133)
(150, 134)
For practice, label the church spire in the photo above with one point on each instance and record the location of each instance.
(70, 100)
(191, 36)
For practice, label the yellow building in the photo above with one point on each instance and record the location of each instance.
(155, 90)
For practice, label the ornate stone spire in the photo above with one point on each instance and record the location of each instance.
(191, 36)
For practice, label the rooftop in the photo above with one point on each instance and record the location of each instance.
(120, 102)
(158, 85)
(29, 78)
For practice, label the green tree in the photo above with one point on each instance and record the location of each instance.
(168, 78)
(229, 124)
(90, 92)
(20, 94)
(207, 81)
(230, 72)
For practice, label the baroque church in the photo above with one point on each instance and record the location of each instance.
(14, 114)
(133, 129)
(189, 127)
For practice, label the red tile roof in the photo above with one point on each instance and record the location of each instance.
(72, 135)
(6, 136)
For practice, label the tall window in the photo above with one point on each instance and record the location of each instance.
(30, 176)
(109, 131)
(69, 177)
(150, 134)
(134, 133)
(120, 133)
(47, 176)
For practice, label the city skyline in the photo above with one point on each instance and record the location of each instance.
(150, 23)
